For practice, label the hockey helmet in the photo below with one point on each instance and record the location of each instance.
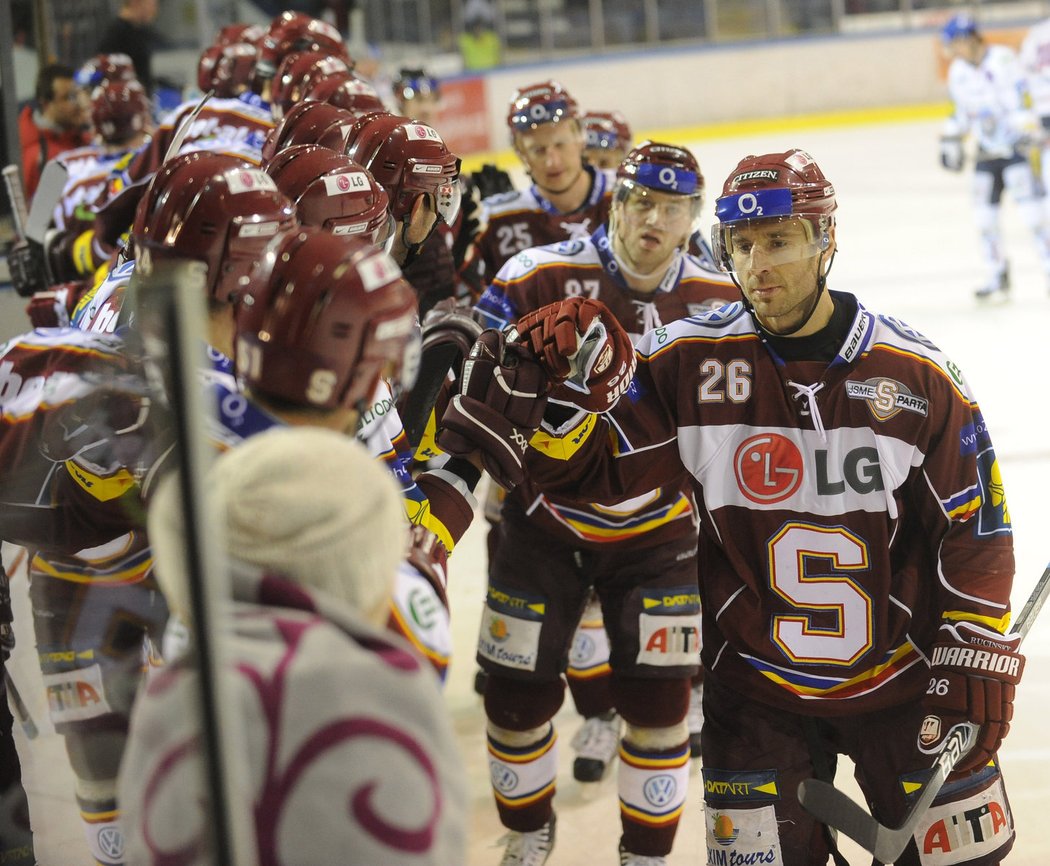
(536, 104)
(296, 31)
(409, 159)
(331, 191)
(226, 69)
(606, 130)
(120, 109)
(345, 90)
(775, 186)
(214, 208)
(958, 27)
(303, 124)
(104, 67)
(324, 319)
(295, 74)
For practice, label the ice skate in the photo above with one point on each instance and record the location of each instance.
(997, 288)
(596, 744)
(529, 849)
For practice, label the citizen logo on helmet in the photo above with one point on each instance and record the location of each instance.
(768, 174)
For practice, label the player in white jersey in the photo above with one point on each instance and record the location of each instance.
(1035, 60)
(987, 88)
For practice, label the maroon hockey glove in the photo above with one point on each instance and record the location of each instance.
(429, 557)
(503, 394)
(579, 342)
(972, 677)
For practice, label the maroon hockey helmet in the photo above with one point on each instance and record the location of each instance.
(304, 124)
(213, 208)
(332, 192)
(606, 130)
(240, 33)
(295, 74)
(409, 159)
(536, 104)
(345, 90)
(104, 67)
(775, 186)
(120, 110)
(226, 69)
(296, 31)
(324, 319)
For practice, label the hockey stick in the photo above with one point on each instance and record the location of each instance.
(832, 807)
(25, 719)
(15, 192)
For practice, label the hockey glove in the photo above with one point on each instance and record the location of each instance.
(972, 677)
(25, 260)
(952, 152)
(579, 342)
(503, 394)
(491, 180)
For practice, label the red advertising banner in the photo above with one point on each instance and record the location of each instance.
(463, 120)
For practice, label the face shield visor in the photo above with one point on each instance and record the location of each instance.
(758, 229)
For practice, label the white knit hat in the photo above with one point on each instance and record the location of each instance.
(304, 502)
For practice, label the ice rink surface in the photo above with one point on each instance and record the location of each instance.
(907, 247)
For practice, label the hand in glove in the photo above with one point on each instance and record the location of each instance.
(503, 393)
(973, 673)
(581, 344)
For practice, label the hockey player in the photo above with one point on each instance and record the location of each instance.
(608, 138)
(417, 95)
(856, 544)
(638, 553)
(987, 87)
(352, 750)
(567, 199)
(1035, 60)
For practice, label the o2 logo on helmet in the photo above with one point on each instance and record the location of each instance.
(768, 468)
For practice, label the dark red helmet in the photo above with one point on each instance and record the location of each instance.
(226, 69)
(120, 110)
(661, 167)
(324, 318)
(304, 123)
(536, 104)
(332, 192)
(237, 33)
(296, 31)
(775, 186)
(345, 90)
(606, 130)
(105, 67)
(409, 159)
(213, 208)
(295, 74)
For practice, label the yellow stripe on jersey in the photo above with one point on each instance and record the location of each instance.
(694, 338)
(419, 514)
(136, 573)
(596, 532)
(102, 488)
(1000, 624)
(565, 446)
(544, 266)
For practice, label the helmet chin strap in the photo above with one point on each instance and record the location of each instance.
(822, 282)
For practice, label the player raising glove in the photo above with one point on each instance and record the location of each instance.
(972, 677)
(580, 343)
(502, 398)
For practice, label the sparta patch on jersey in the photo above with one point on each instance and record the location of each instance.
(886, 397)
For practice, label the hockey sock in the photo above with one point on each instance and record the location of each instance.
(653, 787)
(523, 781)
(102, 829)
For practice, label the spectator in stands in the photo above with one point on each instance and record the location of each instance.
(479, 44)
(130, 33)
(55, 123)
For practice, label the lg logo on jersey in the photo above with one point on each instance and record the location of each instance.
(769, 468)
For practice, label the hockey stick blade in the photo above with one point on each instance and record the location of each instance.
(832, 807)
(45, 200)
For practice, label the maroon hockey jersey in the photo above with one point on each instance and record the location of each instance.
(514, 221)
(543, 275)
(846, 508)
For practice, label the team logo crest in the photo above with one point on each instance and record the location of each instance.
(887, 397)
